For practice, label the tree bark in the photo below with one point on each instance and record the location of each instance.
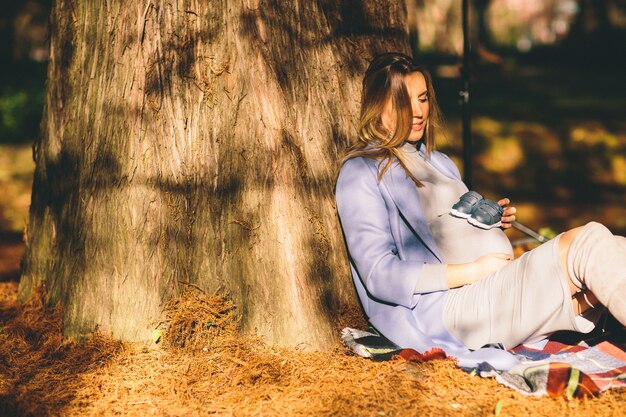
(198, 142)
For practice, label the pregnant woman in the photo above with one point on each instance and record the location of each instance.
(429, 267)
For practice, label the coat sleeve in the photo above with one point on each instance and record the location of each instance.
(371, 246)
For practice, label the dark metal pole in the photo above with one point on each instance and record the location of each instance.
(465, 100)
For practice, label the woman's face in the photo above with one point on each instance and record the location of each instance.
(418, 93)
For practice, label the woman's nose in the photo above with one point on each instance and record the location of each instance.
(417, 109)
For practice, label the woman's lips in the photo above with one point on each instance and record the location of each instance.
(417, 126)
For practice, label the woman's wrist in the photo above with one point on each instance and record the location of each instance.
(476, 271)
(458, 275)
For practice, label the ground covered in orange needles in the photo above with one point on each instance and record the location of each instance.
(201, 366)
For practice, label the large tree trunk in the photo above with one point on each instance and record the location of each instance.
(198, 142)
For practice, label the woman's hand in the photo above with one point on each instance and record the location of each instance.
(508, 216)
(490, 263)
(458, 275)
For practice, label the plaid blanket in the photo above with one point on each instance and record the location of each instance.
(570, 367)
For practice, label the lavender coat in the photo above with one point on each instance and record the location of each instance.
(388, 242)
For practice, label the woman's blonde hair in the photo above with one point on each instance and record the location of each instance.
(384, 80)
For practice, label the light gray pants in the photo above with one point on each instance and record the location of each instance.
(524, 301)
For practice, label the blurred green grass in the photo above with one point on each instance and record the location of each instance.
(21, 101)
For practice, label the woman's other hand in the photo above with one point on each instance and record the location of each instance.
(458, 275)
(508, 216)
(490, 263)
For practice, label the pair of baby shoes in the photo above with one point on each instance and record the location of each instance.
(479, 211)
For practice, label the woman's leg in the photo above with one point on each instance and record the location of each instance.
(594, 260)
(527, 299)
(531, 297)
(582, 298)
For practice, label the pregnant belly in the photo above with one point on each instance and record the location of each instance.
(460, 242)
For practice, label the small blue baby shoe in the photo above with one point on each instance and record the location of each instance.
(466, 204)
(487, 215)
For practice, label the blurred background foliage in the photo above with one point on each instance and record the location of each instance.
(23, 58)
(548, 102)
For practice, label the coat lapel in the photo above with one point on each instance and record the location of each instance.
(404, 194)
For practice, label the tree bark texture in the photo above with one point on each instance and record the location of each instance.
(198, 142)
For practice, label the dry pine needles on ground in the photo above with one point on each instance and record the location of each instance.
(203, 367)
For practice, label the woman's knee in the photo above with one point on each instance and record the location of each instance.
(565, 242)
(566, 238)
(593, 232)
